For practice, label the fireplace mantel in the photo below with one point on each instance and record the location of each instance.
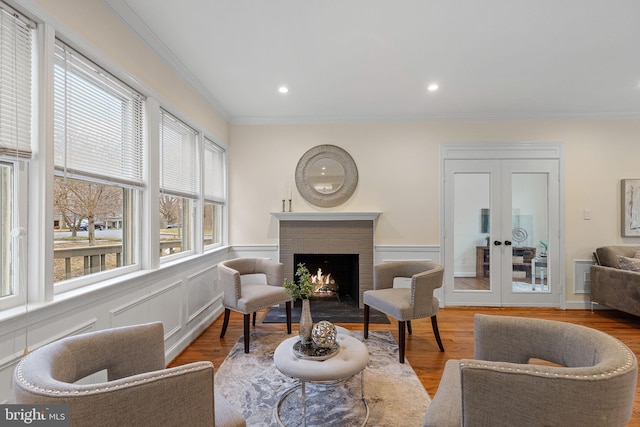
(326, 216)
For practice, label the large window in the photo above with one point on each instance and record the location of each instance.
(16, 51)
(178, 184)
(214, 194)
(98, 123)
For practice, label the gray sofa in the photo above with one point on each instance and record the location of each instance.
(612, 286)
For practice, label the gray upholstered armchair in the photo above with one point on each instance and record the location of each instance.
(251, 284)
(139, 391)
(405, 304)
(594, 385)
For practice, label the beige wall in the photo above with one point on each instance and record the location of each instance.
(398, 166)
(93, 21)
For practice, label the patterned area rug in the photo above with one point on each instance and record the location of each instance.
(393, 391)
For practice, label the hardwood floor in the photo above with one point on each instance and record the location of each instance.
(456, 330)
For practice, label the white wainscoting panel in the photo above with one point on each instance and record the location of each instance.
(202, 291)
(158, 304)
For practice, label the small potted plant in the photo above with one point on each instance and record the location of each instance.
(544, 246)
(302, 289)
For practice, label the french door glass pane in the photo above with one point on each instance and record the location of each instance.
(472, 197)
(530, 232)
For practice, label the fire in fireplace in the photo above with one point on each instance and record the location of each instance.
(323, 283)
(334, 276)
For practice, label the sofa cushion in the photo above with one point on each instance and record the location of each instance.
(631, 264)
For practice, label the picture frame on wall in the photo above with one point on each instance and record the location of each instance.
(630, 207)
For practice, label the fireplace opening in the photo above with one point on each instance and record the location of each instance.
(335, 276)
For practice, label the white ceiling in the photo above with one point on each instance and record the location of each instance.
(371, 60)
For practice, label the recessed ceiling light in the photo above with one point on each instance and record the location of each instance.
(433, 87)
(283, 89)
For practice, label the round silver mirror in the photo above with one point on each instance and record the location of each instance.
(326, 176)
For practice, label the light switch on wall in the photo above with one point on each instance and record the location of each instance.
(586, 214)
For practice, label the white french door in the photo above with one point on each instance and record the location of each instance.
(501, 232)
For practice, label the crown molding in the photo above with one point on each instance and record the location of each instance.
(129, 17)
(346, 119)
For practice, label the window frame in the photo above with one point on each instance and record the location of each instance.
(18, 154)
(94, 278)
(210, 199)
(18, 234)
(193, 194)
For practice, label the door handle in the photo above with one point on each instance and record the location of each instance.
(497, 242)
(507, 242)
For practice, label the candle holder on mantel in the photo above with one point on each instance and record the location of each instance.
(289, 205)
(283, 204)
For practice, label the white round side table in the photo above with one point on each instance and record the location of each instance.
(351, 359)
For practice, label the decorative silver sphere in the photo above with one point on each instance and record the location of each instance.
(324, 334)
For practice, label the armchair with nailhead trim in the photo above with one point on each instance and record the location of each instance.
(535, 372)
(249, 285)
(138, 391)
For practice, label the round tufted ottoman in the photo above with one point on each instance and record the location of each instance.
(351, 359)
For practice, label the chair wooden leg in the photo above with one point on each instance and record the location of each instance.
(288, 309)
(409, 327)
(225, 323)
(366, 321)
(434, 323)
(247, 320)
(401, 338)
(254, 319)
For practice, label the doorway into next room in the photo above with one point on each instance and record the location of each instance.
(501, 225)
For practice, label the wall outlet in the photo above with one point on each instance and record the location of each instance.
(586, 214)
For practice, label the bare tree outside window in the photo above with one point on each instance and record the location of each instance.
(170, 211)
(82, 200)
(174, 223)
(89, 238)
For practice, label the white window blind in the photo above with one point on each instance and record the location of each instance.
(178, 157)
(98, 122)
(214, 172)
(16, 46)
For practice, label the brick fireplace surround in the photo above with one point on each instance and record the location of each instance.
(329, 233)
